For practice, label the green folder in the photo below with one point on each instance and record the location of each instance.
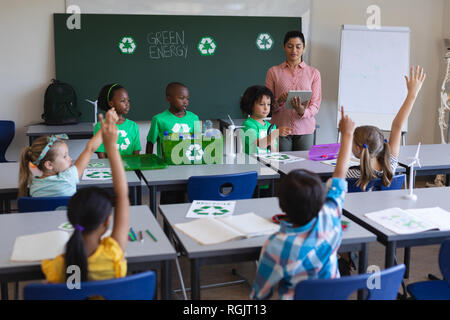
(143, 162)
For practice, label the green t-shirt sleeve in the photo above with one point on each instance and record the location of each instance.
(137, 139)
(102, 147)
(153, 132)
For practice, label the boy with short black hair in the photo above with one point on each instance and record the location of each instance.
(176, 119)
(306, 245)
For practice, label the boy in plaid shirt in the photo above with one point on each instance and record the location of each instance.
(306, 245)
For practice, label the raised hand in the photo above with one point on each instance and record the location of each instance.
(346, 124)
(416, 79)
(109, 128)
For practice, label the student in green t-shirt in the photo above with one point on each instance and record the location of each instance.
(257, 102)
(176, 119)
(128, 141)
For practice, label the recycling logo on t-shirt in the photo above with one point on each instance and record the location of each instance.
(126, 142)
(194, 152)
(181, 128)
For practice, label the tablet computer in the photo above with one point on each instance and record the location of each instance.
(305, 95)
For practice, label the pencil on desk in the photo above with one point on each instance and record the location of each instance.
(141, 237)
(134, 234)
(151, 235)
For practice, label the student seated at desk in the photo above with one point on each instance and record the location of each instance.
(379, 157)
(176, 119)
(50, 155)
(259, 135)
(306, 245)
(128, 142)
(89, 211)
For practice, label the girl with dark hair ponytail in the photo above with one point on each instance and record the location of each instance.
(379, 157)
(89, 211)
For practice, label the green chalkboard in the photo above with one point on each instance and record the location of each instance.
(166, 50)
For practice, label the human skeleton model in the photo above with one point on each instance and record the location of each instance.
(445, 100)
(444, 110)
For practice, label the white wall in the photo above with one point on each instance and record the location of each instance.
(27, 61)
(425, 20)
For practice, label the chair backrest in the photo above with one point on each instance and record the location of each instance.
(7, 130)
(377, 184)
(215, 187)
(32, 204)
(139, 286)
(382, 286)
(444, 260)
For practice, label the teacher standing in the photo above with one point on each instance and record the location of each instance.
(295, 74)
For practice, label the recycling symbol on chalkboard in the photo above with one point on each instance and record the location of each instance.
(127, 45)
(214, 210)
(206, 46)
(264, 41)
(99, 175)
(194, 152)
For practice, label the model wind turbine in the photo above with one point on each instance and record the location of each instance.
(416, 160)
(230, 148)
(94, 103)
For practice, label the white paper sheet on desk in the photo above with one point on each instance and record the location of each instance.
(435, 215)
(279, 157)
(40, 246)
(97, 174)
(332, 162)
(210, 209)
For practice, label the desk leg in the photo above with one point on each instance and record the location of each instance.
(139, 195)
(447, 180)
(362, 266)
(4, 290)
(166, 281)
(195, 279)
(406, 261)
(152, 196)
(390, 253)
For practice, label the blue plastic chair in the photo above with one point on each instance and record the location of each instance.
(376, 184)
(33, 204)
(212, 187)
(435, 289)
(342, 288)
(139, 286)
(7, 130)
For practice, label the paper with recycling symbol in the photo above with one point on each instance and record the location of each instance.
(97, 174)
(264, 41)
(210, 209)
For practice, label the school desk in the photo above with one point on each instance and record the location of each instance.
(9, 183)
(355, 238)
(81, 130)
(323, 170)
(360, 203)
(225, 123)
(140, 256)
(176, 177)
(434, 159)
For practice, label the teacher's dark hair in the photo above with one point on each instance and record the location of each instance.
(301, 196)
(87, 209)
(294, 34)
(253, 94)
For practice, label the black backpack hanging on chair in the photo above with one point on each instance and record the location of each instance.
(60, 104)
